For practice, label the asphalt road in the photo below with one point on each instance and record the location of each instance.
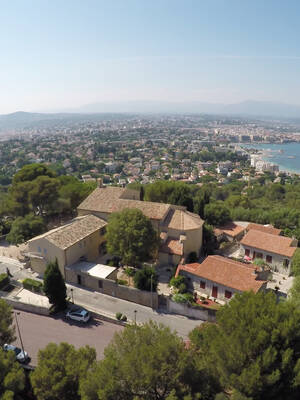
(37, 331)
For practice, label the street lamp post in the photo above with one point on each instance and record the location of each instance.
(17, 313)
(151, 291)
(135, 311)
(72, 295)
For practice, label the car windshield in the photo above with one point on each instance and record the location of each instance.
(84, 313)
(17, 350)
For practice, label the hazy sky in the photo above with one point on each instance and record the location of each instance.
(67, 53)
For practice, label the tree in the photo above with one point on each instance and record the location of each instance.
(295, 267)
(216, 213)
(294, 293)
(7, 332)
(254, 348)
(54, 286)
(23, 229)
(131, 236)
(12, 377)
(59, 370)
(31, 171)
(147, 362)
(142, 279)
(43, 193)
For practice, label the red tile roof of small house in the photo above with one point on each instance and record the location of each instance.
(264, 228)
(225, 272)
(269, 243)
(230, 229)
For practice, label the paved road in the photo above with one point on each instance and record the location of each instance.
(109, 306)
(37, 331)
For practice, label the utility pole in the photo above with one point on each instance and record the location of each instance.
(72, 295)
(135, 311)
(151, 291)
(17, 313)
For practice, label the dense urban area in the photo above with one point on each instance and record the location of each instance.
(149, 257)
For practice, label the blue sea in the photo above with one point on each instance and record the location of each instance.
(286, 155)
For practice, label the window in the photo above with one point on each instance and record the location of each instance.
(228, 294)
(247, 252)
(79, 279)
(100, 284)
(80, 244)
(259, 255)
(269, 259)
(202, 284)
(102, 231)
(39, 249)
(286, 262)
(45, 251)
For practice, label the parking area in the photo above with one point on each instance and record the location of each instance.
(37, 331)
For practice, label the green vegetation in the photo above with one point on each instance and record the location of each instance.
(130, 235)
(33, 285)
(54, 286)
(12, 377)
(35, 196)
(143, 278)
(24, 228)
(4, 280)
(295, 267)
(7, 331)
(146, 362)
(59, 371)
(253, 350)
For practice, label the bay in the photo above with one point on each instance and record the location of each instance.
(286, 155)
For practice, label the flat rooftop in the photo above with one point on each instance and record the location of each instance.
(97, 270)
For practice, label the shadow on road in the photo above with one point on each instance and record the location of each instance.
(90, 324)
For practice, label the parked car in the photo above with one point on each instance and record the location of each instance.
(79, 314)
(20, 355)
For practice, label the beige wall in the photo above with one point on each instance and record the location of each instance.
(194, 284)
(193, 242)
(111, 288)
(277, 260)
(49, 252)
(88, 247)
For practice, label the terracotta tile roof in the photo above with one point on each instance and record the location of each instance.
(264, 228)
(230, 229)
(226, 272)
(182, 220)
(172, 246)
(79, 228)
(112, 199)
(269, 243)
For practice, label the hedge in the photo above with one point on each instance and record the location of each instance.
(4, 280)
(33, 285)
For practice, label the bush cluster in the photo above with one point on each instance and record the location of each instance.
(33, 285)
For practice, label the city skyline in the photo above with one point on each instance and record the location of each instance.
(63, 56)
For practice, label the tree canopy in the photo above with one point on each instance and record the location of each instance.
(147, 362)
(131, 236)
(7, 331)
(142, 279)
(23, 229)
(216, 213)
(59, 371)
(54, 286)
(12, 377)
(254, 348)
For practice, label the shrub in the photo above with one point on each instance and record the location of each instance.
(33, 285)
(119, 316)
(121, 282)
(129, 271)
(182, 288)
(124, 318)
(183, 298)
(142, 279)
(4, 280)
(176, 282)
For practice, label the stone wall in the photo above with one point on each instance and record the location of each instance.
(191, 312)
(111, 288)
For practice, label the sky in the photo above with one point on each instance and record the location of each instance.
(58, 55)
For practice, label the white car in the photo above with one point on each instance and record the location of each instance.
(79, 314)
(20, 355)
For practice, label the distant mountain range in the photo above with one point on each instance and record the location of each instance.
(246, 108)
(99, 111)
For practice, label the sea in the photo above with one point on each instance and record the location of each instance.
(286, 155)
